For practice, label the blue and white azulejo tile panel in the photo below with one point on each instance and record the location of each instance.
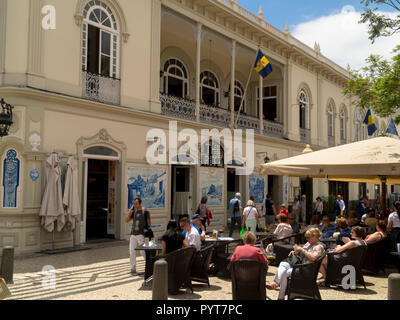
(11, 170)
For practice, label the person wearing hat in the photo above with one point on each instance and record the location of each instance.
(235, 209)
(250, 217)
(196, 222)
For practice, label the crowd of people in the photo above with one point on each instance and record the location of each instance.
(348, 231)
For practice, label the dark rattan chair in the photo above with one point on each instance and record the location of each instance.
(223, 253)
(336, 261)
(376, 256)
(302, 284)
(179, 269)
(201, 264)
(248, 280)
(283, 246)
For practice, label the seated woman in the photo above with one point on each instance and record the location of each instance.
(283, 230)
(248, 250)
(312, 250)
(173, 239)
(357, 233)
(344, 230)
(379, 234)
(371, 220)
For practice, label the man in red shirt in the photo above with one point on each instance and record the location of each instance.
(248, 250)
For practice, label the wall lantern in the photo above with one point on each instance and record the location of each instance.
(5, 118)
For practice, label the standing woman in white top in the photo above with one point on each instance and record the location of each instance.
(250, 217)
(393, 226)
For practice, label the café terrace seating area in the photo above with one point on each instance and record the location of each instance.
(248, 277)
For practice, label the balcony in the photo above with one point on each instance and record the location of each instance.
(186, 109)
(273, 129)
(99, 88)
(247, 122)
(305, 135)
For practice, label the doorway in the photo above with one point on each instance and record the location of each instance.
(100, 199)
(182, 191)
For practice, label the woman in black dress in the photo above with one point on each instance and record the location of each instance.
(173, 239)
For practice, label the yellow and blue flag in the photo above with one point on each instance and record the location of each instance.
(392, 128)
(262, 64)
(370, 122)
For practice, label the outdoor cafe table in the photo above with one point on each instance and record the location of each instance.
(151, 252)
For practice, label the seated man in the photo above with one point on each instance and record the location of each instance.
(248, 251)
(293, 223)
(192, 235)
(326, 227)
(196, 222)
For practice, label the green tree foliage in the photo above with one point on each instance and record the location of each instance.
(377, 86)
(379, 24)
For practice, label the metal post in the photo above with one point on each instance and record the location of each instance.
(7, 264)
(160, 280)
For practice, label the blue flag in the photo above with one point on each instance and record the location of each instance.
(262, 64)
(370, 122)
(392, 128)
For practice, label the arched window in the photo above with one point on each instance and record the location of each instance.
(176, 78)
(331, 122)
(304, 104)
(209, 88)
(343, 129)
(238, 96)
(359, 130)
(100, 40)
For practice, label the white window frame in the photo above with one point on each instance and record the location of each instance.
(114, 36)
(331, 121)
(185, 81)
(305, 104)
(343, 129)
(217, 93)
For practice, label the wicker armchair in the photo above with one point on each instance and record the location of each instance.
(283, 246)
(201, 264)
(248, 280)
(336, 261)
(376, 255)
(302, 284)
(223, 253)
(179, 269)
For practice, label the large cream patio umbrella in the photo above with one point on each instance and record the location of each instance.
(374, 160)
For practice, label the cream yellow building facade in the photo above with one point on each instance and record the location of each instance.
(93, 84)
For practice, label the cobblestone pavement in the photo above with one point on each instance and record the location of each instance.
(102, 273)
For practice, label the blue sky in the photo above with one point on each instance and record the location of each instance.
(331, 23)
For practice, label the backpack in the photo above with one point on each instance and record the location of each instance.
(236, 207)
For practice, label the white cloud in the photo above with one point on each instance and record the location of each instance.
(342, 39)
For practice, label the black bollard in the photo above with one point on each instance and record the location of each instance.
(160, 280)
(394, 286)
(7, 265)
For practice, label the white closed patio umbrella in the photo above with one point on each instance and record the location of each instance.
(52, 209)
(71, 196)
(375, 160)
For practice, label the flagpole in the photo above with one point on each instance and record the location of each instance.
(244, 93)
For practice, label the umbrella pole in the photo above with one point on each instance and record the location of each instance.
(383, 197)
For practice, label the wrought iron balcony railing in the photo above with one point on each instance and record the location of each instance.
(99, 88)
